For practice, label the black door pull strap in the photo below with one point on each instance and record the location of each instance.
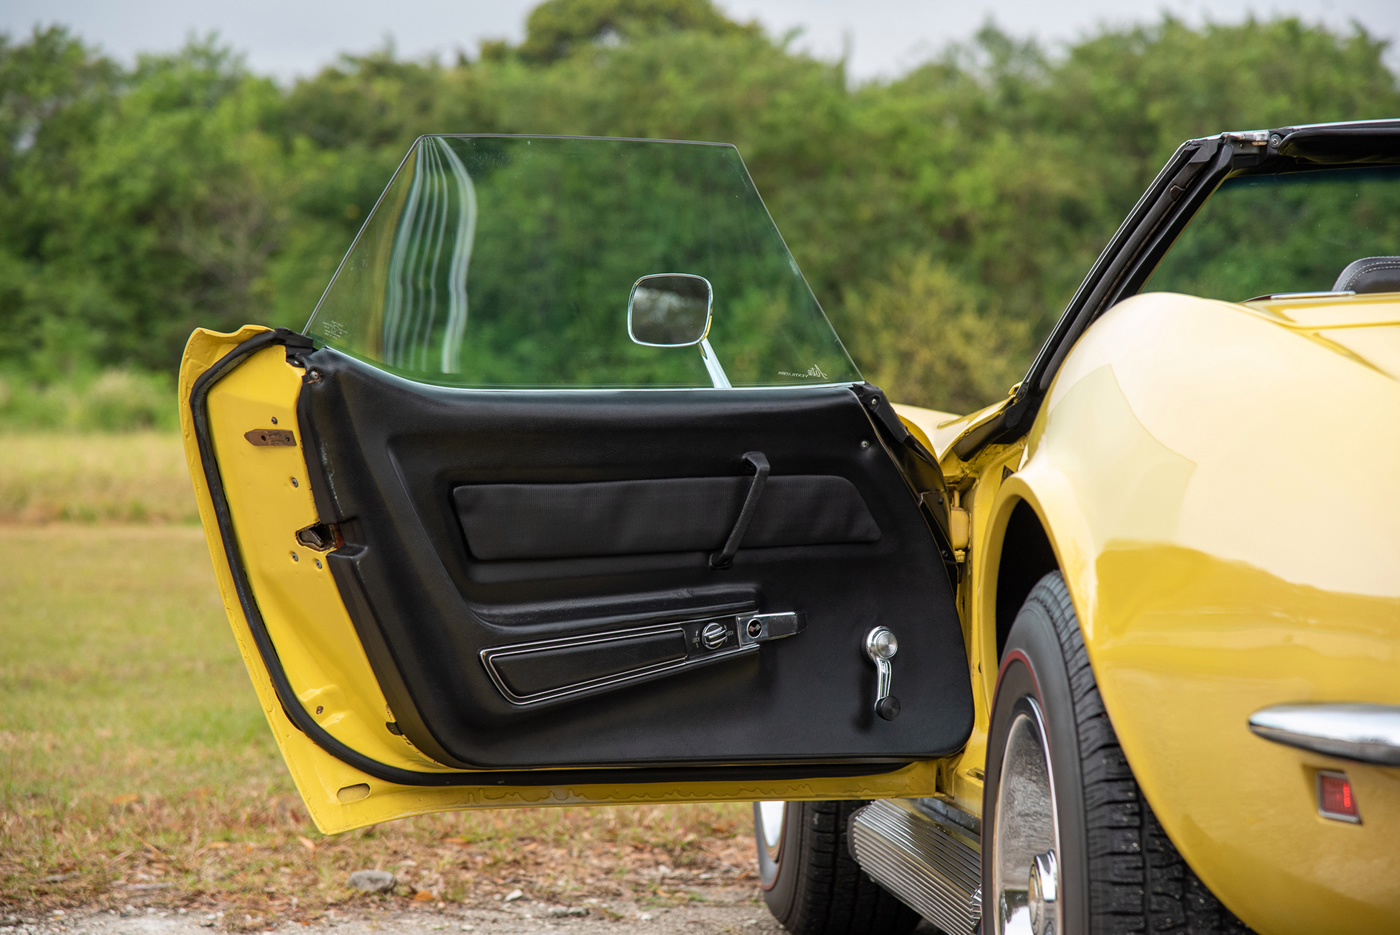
(759, 463)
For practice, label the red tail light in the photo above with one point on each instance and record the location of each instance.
(1335, 798)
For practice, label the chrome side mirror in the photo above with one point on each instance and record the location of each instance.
(669, 310)
(673, 310)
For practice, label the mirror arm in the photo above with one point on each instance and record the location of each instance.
(717, 374)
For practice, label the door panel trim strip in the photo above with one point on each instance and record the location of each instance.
(694, 642)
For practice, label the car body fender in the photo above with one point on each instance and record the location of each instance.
(1220, 484)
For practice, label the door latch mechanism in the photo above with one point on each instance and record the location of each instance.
(880, 647)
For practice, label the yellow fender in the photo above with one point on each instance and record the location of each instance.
(1220, 484)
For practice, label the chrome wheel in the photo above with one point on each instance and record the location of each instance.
(1025, 870)
(769, 823)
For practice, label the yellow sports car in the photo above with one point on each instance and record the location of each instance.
(570, 494)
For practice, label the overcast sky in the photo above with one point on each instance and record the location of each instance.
(884, 37)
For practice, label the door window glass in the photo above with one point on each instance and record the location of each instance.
(510, 261)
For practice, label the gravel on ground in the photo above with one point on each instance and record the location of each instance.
(736, 912)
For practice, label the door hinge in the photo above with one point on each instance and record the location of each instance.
(959, 528)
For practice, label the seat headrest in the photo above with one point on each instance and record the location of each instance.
(1371, 274)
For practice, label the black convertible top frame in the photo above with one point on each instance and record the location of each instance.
(1192, 174)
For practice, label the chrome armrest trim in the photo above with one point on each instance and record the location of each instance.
(1366, 733)
(738, 635)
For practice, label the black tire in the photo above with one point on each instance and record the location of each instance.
(813, 886)
(1118, 872)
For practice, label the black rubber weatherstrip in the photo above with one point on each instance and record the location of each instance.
(291, 705)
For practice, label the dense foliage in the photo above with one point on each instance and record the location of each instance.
(943, 218)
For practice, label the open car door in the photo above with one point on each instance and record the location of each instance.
(571, 495)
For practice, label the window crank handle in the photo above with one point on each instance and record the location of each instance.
(880, 647)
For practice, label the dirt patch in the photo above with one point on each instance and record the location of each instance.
(730, 911)
(651, 856)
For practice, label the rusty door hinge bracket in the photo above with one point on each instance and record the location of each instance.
(271, 438)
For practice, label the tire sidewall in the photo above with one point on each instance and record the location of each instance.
(1033, 666)
(781, 891)
(770, 867)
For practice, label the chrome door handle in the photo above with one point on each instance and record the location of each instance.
(880, 647)
(764, 628)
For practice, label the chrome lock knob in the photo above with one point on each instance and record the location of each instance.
(880, 647)
(714, 635)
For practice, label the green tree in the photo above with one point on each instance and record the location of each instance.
(960, 202)
(557, 29)
(923, 336)
(149, 215)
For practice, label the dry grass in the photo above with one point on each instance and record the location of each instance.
(135, 767)
(130, 477)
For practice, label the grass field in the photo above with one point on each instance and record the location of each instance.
(135, 765)
(118, 477)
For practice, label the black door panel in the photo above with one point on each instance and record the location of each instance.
(591, 515)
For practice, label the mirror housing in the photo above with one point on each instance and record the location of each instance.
(669, 310)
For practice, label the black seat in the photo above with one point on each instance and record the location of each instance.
(1370, 274)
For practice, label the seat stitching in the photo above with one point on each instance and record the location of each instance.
(1361, 270)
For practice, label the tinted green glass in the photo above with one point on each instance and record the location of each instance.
(508, 261)
(1265, 234)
